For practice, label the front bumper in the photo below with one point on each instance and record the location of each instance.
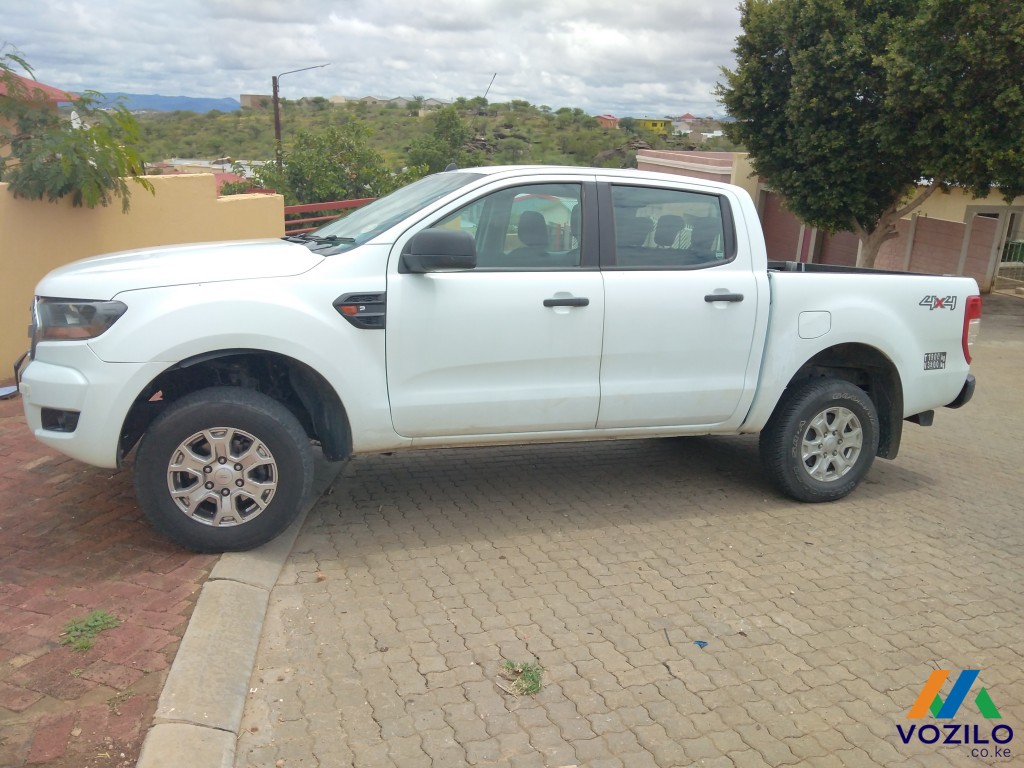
(73, 380)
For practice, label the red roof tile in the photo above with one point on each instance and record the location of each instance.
(51, 93)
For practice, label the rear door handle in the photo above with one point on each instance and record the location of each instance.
(572, 301)
(731, 297)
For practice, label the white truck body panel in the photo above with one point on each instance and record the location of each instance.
(196, 263)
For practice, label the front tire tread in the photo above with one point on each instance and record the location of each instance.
(244, 409)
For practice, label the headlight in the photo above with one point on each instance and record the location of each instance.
(73, 319)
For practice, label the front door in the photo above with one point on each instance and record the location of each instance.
(513, 346)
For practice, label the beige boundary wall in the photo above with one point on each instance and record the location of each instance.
(37, 236)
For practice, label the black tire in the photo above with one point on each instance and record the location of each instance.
(821, 440)
(234, 493)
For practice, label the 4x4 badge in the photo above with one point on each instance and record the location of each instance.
(939, 302)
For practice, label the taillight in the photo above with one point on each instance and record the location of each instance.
(972, 324)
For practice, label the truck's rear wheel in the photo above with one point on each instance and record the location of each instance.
(821, 440)
(223, 469)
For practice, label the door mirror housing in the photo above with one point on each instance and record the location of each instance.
(438, 250)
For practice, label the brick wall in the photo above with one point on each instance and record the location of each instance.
(984, 231)
(781, 229)
(839, 249)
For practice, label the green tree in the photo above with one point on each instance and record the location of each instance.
(334, 164)
(445, 143)
(513, 149)
(450, 128)
(89, 160)
(856, 111)
(431, 153)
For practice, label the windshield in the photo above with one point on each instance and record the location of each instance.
(378, 216)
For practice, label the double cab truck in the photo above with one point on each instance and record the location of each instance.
(479, 307)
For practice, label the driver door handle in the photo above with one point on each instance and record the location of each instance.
(731, 297)
(572, 301)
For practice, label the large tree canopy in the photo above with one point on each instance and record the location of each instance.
(856, 110)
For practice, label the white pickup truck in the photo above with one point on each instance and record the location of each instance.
(477, 307)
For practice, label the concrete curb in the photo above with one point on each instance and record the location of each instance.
(200, 709)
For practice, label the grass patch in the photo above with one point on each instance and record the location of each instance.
(525, 677)
(81, 634)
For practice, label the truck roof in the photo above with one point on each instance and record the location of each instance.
(624, 173)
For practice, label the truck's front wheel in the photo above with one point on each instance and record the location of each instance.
(223, 469)
(821, 440)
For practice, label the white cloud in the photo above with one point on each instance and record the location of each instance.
(660, 57)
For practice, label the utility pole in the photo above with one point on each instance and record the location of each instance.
(278, 151)
(489, 86)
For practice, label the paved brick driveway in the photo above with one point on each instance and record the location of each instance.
(72, 541)
(608, 561)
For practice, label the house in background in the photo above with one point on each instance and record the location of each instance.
(660, 126)
(683, 124)
(397, 101)
(949, 234)
(255, 100)
(223, 169)
(45, 96)
(607, 121)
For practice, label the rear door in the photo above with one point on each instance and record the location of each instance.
(681, 308)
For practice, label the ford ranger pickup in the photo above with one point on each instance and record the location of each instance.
(479, 307)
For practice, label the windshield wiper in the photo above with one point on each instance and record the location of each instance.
(331, 239)
(320, 243)
(306, 237)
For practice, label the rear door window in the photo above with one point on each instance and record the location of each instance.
(667, 229)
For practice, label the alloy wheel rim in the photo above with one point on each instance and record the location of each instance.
(831, 444)
(222, 477)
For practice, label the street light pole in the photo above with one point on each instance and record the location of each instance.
(278, 152)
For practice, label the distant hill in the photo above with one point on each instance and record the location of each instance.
(158, 103)
(498, 134)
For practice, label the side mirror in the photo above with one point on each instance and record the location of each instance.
(438, 250)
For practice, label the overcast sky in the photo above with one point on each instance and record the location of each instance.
(660, 57)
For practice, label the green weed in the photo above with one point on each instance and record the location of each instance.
(80, 634)
(525, 677)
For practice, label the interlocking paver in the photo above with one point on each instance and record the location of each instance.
(607, 561)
